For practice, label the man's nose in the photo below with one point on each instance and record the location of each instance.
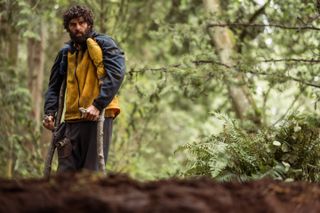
(78, 26)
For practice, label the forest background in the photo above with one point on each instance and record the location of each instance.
(227, 89)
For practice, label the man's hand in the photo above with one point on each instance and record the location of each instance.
(48, 122)
(91, 113)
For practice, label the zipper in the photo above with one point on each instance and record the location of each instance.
(76, 77)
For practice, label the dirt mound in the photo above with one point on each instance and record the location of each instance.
(118, 193)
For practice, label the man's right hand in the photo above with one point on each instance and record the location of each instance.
(48, 122)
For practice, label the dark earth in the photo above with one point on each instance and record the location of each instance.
(85, 192)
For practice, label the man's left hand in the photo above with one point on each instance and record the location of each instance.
(92, 113)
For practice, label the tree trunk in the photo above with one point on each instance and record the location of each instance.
(222, 40)
(36, 57)
(8, 56)
(9, 36)
(102, 17)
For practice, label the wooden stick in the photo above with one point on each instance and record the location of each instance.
(52, 147)
(100, 156)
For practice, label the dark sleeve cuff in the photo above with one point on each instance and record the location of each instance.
(98, 105)
(50, 113)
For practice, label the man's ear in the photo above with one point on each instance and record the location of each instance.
(91, 31)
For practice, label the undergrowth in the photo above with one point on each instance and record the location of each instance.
(288, 152)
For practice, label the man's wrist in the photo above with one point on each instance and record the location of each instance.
(49, 114)
(97, 105)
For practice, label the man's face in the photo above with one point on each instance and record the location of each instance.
(79, 30)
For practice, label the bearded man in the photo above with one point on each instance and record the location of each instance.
(94, 67)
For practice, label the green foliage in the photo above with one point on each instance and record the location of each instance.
(167, 106)
(19, 151)
(168, 94)
(290, 151)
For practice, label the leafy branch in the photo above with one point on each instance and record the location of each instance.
(238, 68)
(282, 26)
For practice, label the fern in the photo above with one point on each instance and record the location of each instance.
(291, 151)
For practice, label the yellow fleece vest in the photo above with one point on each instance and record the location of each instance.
(83, 86)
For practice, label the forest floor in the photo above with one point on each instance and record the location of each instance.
(85, 192)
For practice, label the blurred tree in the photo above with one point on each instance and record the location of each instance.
(224, 43)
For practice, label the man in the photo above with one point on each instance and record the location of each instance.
(94, 68)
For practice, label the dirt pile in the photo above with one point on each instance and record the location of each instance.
(118, 193)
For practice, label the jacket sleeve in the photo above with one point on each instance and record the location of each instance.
(114, 65)
(55, 81)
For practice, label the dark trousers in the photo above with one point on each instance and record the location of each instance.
(80, 152)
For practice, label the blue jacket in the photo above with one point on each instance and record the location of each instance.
(113, 61)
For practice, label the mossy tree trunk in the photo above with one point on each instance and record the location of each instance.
(36, 58)
(224, 44)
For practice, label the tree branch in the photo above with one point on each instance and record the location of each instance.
(237, 68)
(297, 96)
(298, 60)
(287, 27)
(285, 77)
(253, 18)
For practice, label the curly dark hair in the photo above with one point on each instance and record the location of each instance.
(76, 12)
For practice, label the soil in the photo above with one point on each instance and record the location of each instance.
(83, 192)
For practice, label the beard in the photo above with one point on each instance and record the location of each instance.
(80, 39)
